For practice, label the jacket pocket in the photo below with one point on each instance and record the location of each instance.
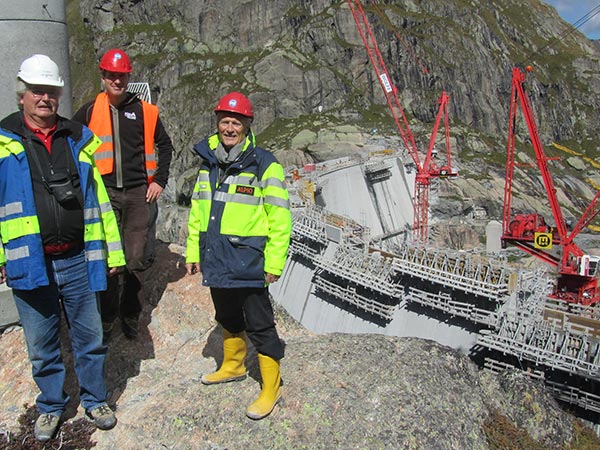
(248, 260)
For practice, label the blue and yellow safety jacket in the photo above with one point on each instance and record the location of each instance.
(240, 223)
(21, 248)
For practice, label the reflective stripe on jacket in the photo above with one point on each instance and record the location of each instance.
(101, 124)
(21, 250)
(239, 227)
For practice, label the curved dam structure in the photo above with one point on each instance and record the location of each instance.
(352, 269)
(374, 198)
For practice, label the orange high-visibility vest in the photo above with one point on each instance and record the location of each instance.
(101, 125)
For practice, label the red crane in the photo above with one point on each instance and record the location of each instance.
(576, 281)
(427, 169)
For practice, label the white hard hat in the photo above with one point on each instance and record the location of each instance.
(40, 70)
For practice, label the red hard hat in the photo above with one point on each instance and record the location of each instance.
(235, 102)
(115, 60)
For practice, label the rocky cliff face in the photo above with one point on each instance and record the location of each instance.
(314, 90)
(307, 73)
(340, 391)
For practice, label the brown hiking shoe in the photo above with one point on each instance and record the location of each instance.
(103, 417)
(45, 427)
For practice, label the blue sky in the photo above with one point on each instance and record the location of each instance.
(574, 10)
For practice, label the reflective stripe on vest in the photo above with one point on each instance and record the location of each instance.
(250, 180)
(101, 125)
(114, 246)
(95, 255)
(18, 227)
(201, 195)
(277, 201)
(91, 214)
(10, 209)
(237, 198)
(276, 182)
(17, 253)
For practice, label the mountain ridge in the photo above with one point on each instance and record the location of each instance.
(307, 73)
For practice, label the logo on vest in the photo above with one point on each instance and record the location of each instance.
(246, 190)
(130, 115)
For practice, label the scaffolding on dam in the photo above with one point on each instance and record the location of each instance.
(509, 308)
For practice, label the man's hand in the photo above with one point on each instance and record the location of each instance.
(192, 268)
(115, 271)
(271, 278)
(2, 274)
(153, 192)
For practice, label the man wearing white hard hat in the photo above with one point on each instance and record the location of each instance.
(58, 240)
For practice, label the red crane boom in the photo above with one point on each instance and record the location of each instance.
(426, 170)
(576, 281)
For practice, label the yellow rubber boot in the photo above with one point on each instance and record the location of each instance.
(234, 353)
(270, 393)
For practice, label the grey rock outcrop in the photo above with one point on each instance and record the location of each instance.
(340, 391)
(306, 71)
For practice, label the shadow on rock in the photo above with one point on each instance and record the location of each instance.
(125, 355)
(214, 349)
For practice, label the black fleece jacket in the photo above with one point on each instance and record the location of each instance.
(130, 133)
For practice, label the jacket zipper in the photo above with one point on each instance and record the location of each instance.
(117, 147)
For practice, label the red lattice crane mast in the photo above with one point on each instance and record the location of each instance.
(426, 169)
(576, 282)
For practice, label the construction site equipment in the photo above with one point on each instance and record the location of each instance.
(508, 309)
(141, 89)
(577, 281)
(426, 169)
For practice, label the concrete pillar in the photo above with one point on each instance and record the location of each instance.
(8, 310)
(28, 27)
(493, 232)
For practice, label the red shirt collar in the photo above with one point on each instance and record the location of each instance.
(46, 138)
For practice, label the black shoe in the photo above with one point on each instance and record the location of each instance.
(107, 328)
(130, 327)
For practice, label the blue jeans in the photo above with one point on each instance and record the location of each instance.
(40, 314)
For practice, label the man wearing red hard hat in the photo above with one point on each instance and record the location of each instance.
(134, 161)
(239, 232)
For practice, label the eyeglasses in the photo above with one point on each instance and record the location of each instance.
(40, 91)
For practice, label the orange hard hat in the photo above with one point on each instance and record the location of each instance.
(115, 60)
(235, 102)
